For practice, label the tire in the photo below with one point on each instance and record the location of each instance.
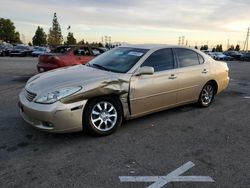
(102, 116)
(207, 95)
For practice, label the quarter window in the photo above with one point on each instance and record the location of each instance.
(201, 60)
(160, 60)
(188, 58)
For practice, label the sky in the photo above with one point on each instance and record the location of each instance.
(142, 21)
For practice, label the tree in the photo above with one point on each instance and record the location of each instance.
(8, 31)
(81, 42)
(205, 47)
(220, 48)
(55, 34)
(17, 38)
(231, 48)
(40, 38)
(100, 44)
(202, 48)
(70, 39)
(237, 48)
(217, 49)
(196, 47)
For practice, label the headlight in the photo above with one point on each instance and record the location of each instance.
(54, 96)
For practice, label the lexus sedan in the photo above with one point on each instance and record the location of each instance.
(124, 83)
(63, 56)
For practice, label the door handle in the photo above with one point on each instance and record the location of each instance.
(205, 71)
(172, 76)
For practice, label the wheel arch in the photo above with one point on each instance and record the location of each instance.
(114, 96)
(215, 84)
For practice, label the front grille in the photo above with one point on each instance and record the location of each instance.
(29, 95)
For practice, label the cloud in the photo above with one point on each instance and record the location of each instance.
(146, 15)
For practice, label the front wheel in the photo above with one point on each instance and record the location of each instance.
(102, 116)
(206, 95)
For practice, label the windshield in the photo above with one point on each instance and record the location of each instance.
(21, 48)
(40, 49)
(120, 59)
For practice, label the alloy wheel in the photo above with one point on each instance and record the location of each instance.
(104, 116)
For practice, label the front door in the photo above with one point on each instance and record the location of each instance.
(149, 93)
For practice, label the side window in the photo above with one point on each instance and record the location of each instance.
(187, 57)
(161, 60)
(96, 51)
(82, 51)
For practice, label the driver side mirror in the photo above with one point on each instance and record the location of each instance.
(145, 71)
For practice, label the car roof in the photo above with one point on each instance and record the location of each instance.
(154, 46)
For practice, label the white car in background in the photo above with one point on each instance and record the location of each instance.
(221, 56)
(211, 54)
(39, 51)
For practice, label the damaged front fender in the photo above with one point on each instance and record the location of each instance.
(113, 85)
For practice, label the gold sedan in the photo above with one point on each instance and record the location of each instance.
(123, 83)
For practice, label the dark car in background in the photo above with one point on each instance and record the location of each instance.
(63, 56)
(5, 49)
(245, 56)
(234, 54)
(21, 50)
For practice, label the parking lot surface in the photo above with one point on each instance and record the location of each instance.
(215, 139)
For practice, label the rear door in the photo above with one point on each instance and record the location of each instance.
(192, 74)
(149, 93)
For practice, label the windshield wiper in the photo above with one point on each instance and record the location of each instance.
(101, 67)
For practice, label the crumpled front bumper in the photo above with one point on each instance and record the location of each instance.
(57, 117)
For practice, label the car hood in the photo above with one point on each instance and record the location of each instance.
(65, 77)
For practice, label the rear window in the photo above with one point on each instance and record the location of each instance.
(21, 48)
(61, 49)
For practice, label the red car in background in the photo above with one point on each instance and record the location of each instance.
(67, 56)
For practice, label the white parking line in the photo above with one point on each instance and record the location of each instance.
(247, 97)
(174, 176)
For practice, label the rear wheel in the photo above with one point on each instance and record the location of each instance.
(207, 95)
(102, 116)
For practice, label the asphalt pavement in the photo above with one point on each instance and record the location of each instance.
(215, 140)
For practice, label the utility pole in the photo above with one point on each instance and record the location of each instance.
(23, 39)
(109, 41)
(245, 48)
(179, 41)
(182, 40)
(106, 40)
